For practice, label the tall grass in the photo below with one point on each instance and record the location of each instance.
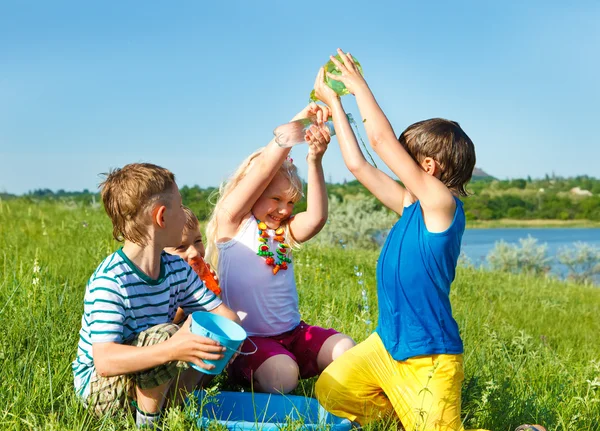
(532, 345)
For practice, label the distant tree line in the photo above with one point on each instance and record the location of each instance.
(550, 198)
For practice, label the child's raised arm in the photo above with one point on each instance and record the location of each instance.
(384, 188)
(307, 224)
(237, 204)
(434, 196)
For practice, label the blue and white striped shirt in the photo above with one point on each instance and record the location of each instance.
(121, 301)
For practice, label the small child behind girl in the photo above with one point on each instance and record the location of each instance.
(250, 236)
(190, 249)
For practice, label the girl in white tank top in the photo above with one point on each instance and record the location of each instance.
(250, 236)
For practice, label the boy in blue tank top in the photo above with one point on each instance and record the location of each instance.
(412, 364)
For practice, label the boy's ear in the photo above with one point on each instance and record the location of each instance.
(158, 215)
(428, 165)
(432, 167)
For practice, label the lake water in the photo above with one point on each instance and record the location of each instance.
(477, 243)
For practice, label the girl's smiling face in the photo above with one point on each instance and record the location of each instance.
(276, 203)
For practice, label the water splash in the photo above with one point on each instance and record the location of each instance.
(365, 299)
(353, 123)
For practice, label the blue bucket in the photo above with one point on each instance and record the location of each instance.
(226, 332)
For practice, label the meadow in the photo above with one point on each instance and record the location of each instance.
(532, 344)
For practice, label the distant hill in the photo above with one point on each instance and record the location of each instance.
(480, 174)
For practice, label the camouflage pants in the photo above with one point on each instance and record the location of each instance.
(112, 393)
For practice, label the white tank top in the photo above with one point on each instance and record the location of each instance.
(267, 304)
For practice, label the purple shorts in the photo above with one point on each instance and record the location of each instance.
(302, 344)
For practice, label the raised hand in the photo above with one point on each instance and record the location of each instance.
(350, 75)
(318, 138)
(322, 90)
(312, 109)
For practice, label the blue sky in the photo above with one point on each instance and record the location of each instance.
(196, 86)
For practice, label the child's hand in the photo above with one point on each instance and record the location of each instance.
(188, 347)
(317, 137)
(322, 91)
(214, 274)
(351, 76)
(313, 110)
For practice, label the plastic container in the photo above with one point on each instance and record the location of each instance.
(267, 412)
(228, 333)
(337, 86)
(201, 268)
(292, 133)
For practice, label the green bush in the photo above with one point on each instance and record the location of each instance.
(355, 222)
(528, 257)
(582, 261)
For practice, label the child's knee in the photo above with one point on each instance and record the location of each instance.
(278, 374)
(344, 344)
(333, 348)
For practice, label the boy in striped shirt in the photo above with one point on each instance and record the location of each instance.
(129, 352)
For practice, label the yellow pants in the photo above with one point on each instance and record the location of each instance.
(366, 384)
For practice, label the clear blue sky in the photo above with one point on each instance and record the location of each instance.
(196, 86)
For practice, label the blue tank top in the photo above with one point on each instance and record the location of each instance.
(414, 274)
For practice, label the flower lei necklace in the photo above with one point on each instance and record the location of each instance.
(282, 249)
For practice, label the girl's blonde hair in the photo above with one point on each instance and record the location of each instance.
(287, 169)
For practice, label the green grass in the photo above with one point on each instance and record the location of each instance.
(532, 346)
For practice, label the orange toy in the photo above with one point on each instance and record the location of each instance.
(202, 269)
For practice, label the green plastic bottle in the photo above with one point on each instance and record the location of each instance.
(336, 86)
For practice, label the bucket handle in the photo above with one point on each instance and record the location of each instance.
(239, 352)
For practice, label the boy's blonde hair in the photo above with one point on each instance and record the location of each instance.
(191, 221)
(287, 169)
(129, 192)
